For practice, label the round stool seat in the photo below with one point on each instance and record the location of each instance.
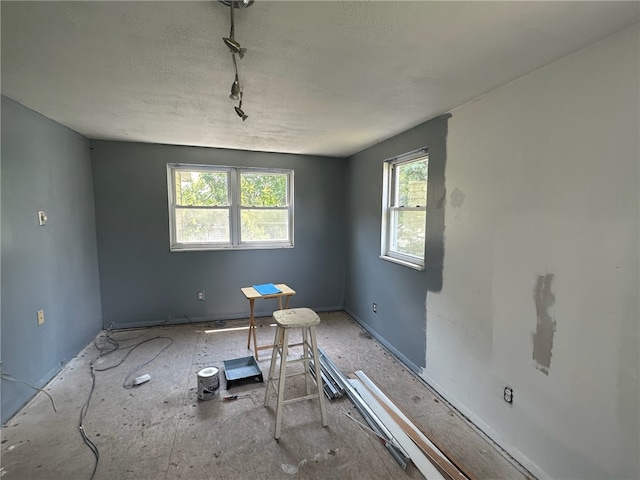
(296, 317)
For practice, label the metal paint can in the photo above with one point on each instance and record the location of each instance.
(208, 383)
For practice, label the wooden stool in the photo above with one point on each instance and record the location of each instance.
(305, 319)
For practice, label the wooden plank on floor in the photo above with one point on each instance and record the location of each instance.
(433, 443)
(428, 448)
(422, 463)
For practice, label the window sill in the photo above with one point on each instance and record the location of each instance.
(208, 248)
(415, 266)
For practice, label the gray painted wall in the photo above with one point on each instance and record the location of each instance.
(143, 283)
(54, 268)
(398, 291)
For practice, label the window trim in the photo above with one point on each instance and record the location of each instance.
(388, 185)
(234, 207)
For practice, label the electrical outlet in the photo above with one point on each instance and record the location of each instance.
(375, 308)
(40, 317)
(201, 295)
(42, 218)
(508, 394)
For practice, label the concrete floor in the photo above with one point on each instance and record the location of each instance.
(161, 430)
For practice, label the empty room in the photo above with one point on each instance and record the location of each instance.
(320, 239)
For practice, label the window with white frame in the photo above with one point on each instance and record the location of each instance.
(217, 207)
(404, 209)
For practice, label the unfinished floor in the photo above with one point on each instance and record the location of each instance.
(160, 429)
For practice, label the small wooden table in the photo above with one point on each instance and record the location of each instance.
(251, 295)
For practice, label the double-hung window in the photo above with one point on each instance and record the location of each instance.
(404, 209)
(217, 207)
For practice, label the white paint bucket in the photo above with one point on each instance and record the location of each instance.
(208, 383)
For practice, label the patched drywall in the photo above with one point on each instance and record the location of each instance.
(545, 325)
(548, 232)
(457, 198)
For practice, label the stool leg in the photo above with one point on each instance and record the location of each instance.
(306, 357)
(283, 370)
(272, 366)
(316, 366)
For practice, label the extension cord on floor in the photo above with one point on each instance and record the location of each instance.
(142, 379)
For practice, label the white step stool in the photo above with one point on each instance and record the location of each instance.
(305, 319)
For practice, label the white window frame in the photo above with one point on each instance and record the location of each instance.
(388, 195)
(235, 209)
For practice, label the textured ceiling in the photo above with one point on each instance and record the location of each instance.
(327, 78)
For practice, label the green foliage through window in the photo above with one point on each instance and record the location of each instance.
(263, 190)
(202, 188)
(411, 184)
(227, 207)
(405, 210)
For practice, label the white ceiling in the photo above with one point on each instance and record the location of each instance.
(320, 77)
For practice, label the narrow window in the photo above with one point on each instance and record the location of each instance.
(216, 207)
(404, 210)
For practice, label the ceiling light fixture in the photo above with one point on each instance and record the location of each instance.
(238, 3)
(239, 111)
(235, 86)
(235, 89)
(236, 49)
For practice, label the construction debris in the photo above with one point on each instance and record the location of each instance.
(376, 425)
(331, 388)
(394, 428)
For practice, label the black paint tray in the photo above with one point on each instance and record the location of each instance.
(241, 370)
